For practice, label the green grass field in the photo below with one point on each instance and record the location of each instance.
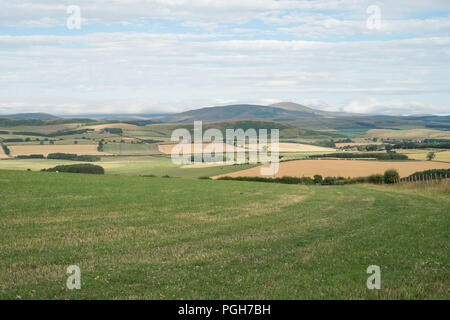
(165, 238)
(131, 165)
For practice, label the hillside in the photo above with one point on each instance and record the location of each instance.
(39, 115)
(240, 111)
(287, 131)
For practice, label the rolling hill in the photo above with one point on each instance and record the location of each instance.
(239, 111)
(39, 115)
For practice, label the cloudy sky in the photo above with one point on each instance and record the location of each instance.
(160, 56)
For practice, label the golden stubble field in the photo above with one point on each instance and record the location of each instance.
(421, 154)
(342, 168)
(408, 134)
(167, 148)
(79, 149)
(124, 126)
(283, 147)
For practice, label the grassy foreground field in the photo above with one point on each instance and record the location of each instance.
(159, 238)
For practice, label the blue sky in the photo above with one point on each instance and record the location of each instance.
(158, 56)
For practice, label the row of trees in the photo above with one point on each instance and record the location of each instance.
(389, 177)
(78, 168)
(378, 156)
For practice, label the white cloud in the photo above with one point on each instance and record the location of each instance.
(396, 107)
(217, 58)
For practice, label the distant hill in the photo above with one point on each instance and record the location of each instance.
(121, 116)
(319, 113)
(40, 116)
(298, 107)
(239, 111)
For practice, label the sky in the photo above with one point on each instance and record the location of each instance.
(161, 56)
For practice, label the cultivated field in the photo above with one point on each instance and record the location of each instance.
(124, 126)
(355, 144)
(343, 168)
(418, 134)
(131, 149)
(421, 154)
(283, 147)
(85, 149)
(45, 129)
(295, 147)
(157, 238)
(167, 148)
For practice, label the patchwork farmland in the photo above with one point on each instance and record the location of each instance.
(85, 149)
(151, 229)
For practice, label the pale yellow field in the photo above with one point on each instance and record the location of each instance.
(354, 144)
(443, 156)
(283, 147)
(86, 149)
(343, 168)
(44, 129)
(167, 148)
(296, 147)
(421, 154)
(124, 126)
(408, 134)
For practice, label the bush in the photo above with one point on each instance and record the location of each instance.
(391, 176)
(376, 178)
(78, 168)
(431, 156)
(318, 178)
(284, 180)
(6, 149)
(329, 181)
(378, 156)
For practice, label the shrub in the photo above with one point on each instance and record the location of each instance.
(391, 176)
(376, 178)
(318, 178)
(378, 156)
(78, 168)
(6, 149)
(285, 180)
(329, 181)
(73, 157)
(431, 156)
(31, 156)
